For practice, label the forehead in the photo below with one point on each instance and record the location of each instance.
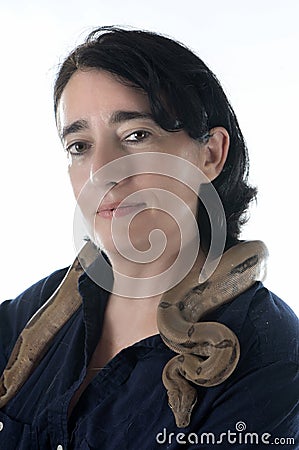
(97, 93)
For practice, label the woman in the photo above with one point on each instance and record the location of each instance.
(152, 144)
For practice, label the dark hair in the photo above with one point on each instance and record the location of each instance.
(183, 94)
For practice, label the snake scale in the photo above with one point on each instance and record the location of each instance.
(208, 352)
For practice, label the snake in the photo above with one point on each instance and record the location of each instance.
(207, 352)
(37, 335)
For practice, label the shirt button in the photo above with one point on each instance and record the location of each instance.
(1, 426)
(59, 447)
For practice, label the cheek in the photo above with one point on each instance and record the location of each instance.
(186, 195)
(78, 179)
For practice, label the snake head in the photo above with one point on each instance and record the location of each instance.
(182, 402)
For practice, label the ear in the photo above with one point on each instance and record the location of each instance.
(214, 152)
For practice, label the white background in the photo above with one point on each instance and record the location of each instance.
(252, 46)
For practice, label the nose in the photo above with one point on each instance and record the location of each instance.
(107, 166)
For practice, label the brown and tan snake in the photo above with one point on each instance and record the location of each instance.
(208, 351)
(36, 337)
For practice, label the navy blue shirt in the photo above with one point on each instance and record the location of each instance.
(125, 406)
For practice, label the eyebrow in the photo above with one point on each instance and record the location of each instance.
(116, 118)
(78, 125)
(123, 116)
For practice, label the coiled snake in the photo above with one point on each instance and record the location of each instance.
(208, 351)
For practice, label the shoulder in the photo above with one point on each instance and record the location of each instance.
(15, 313)
(275, 327)
(266, 326)
(275, 324)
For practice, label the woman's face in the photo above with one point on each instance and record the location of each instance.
(102, 121)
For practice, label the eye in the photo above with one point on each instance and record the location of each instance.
(77, 148)
(137, 136)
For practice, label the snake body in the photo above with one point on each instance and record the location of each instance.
(36, 337)
(208, 352)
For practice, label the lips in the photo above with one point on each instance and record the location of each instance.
(115, 205)
(108, 210)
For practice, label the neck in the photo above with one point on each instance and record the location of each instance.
(130, 318)
(135, 280)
